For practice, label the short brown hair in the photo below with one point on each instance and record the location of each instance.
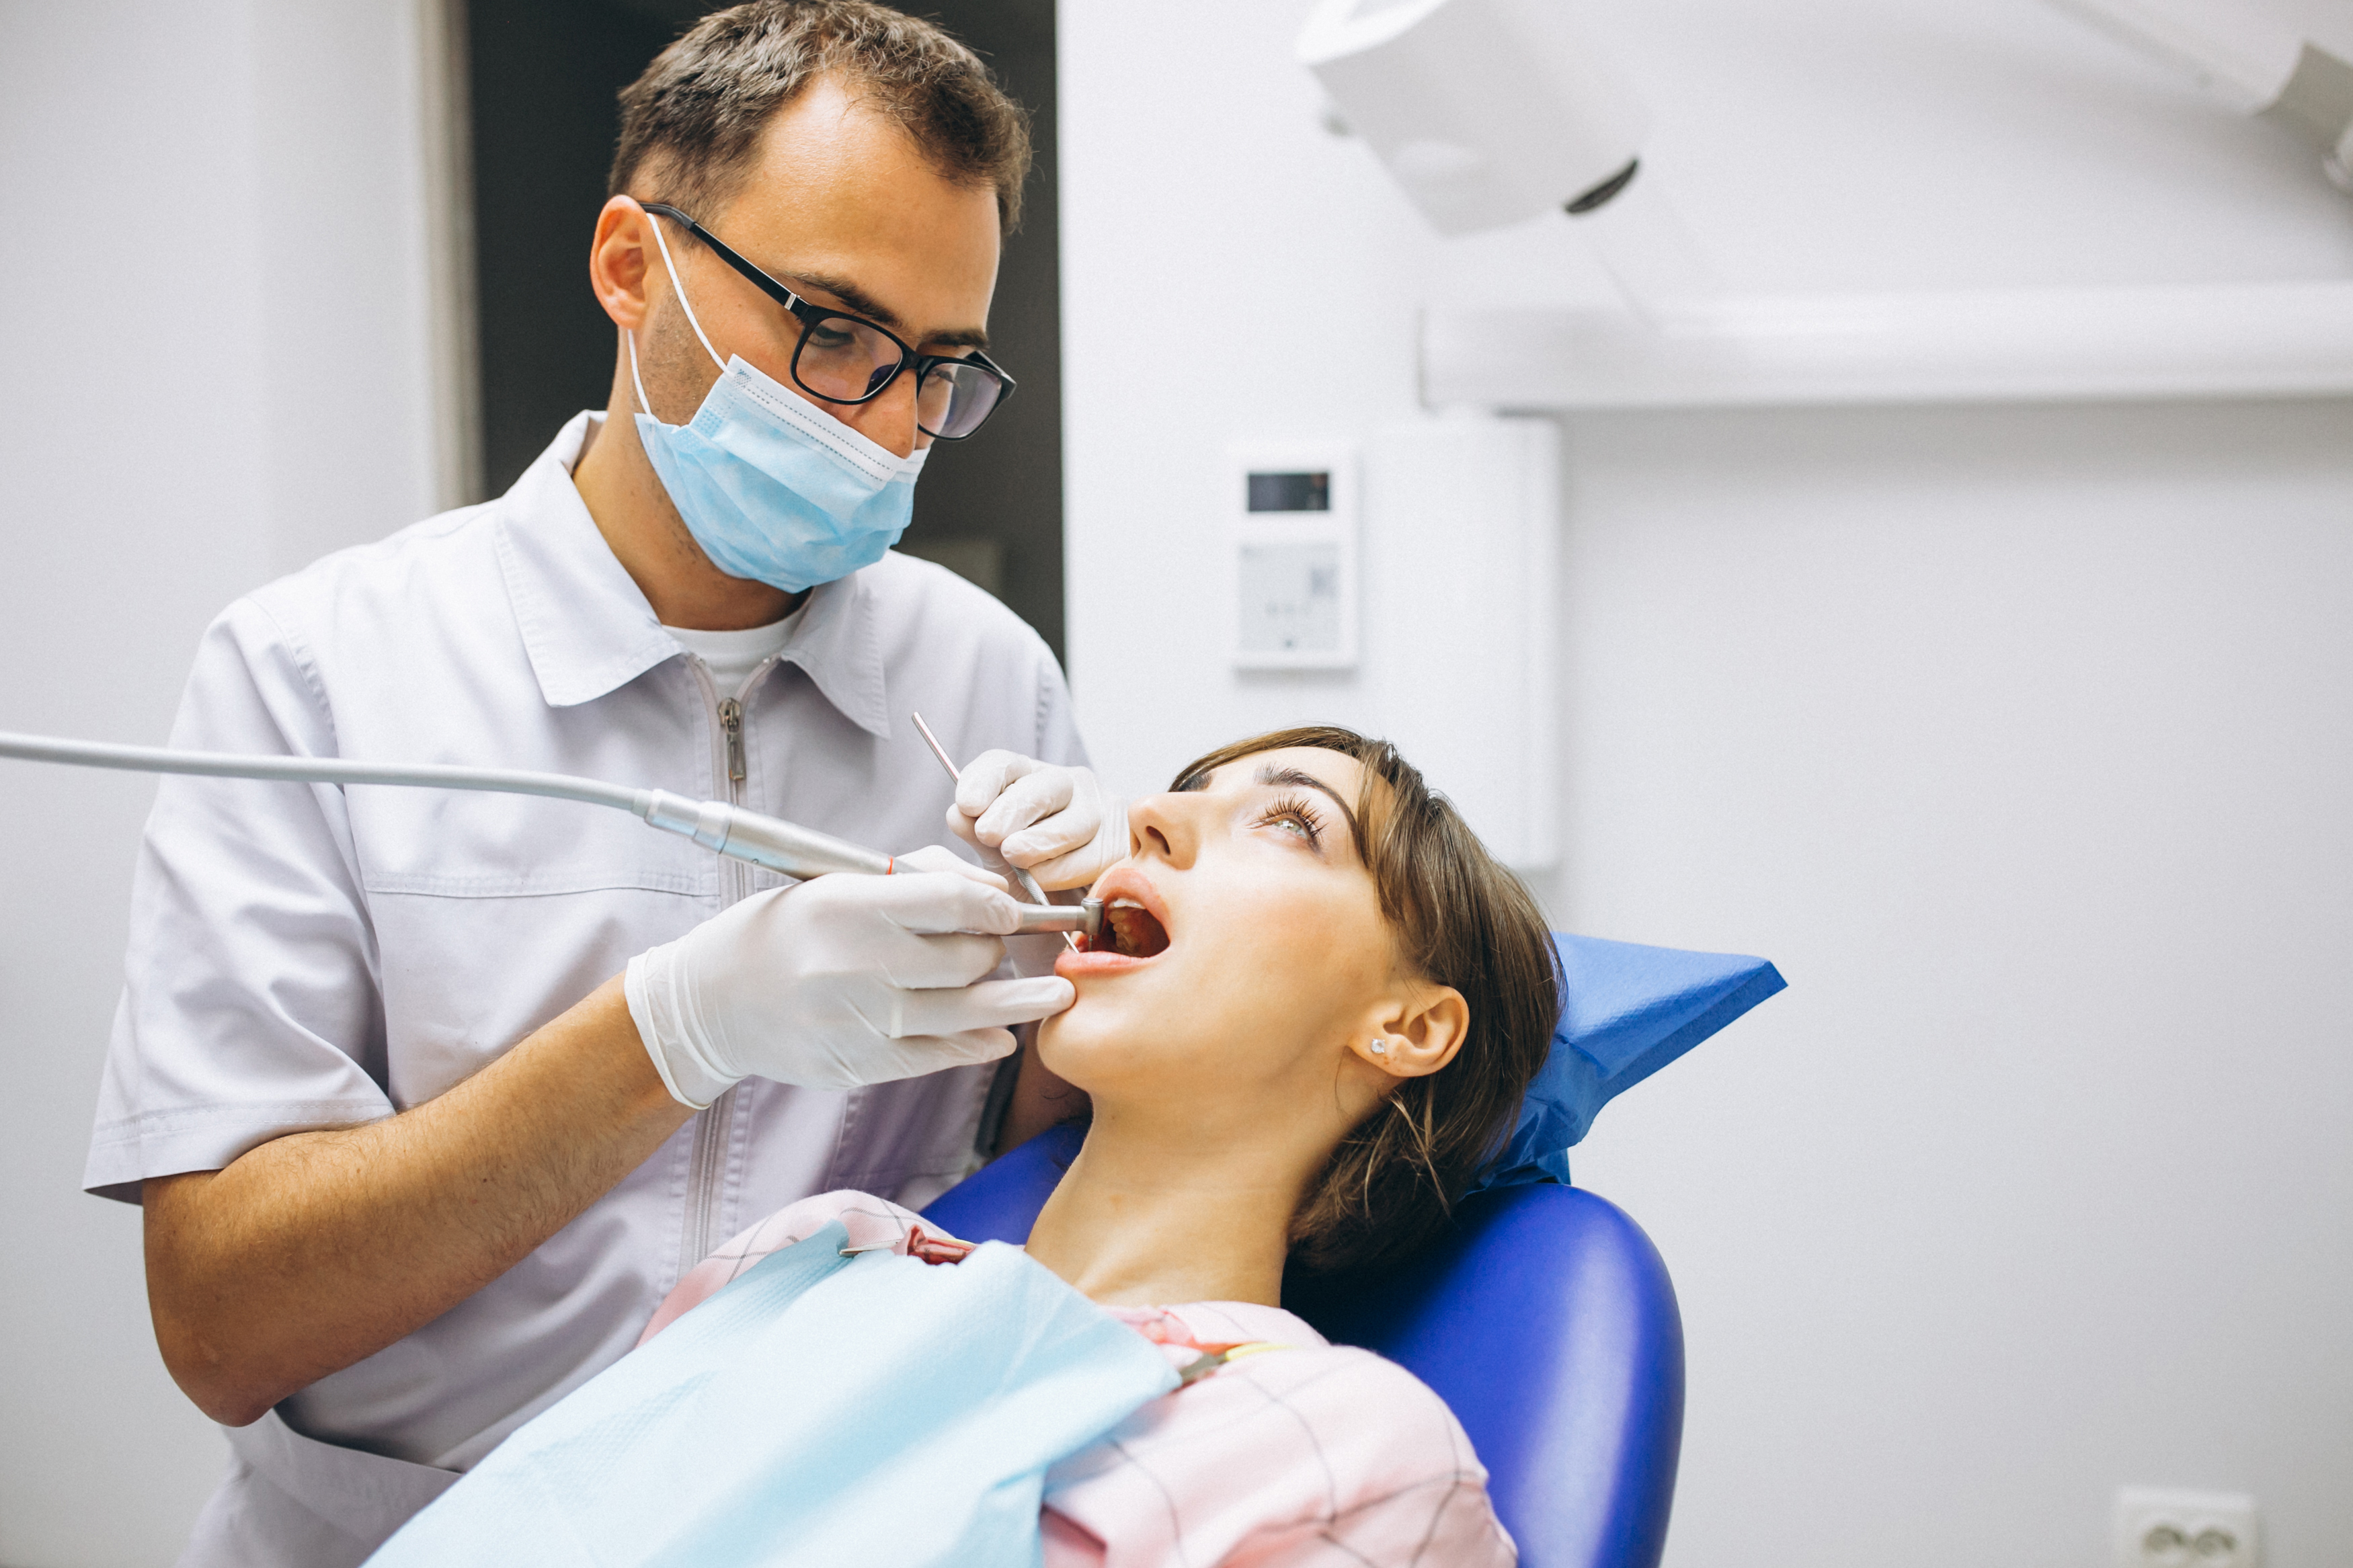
(698, 110)
(1461, 920)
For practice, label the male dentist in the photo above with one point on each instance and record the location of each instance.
(430, 1098)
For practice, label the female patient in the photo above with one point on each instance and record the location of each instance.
(1311, 1016)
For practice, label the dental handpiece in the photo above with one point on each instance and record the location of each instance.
(780, 846)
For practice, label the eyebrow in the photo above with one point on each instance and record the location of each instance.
(1292, 778)
(860, 303)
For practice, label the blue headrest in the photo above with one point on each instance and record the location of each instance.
(1626, 1012)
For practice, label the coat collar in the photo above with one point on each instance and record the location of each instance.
(588, 629)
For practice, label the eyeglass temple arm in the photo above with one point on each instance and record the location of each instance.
(720, 248)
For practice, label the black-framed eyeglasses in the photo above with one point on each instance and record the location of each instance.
(843, 358)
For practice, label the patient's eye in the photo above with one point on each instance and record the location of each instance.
(1295, 816)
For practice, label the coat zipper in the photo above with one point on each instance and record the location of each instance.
(731, 724)
(714, 1127)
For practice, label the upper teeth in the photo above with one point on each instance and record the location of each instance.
(1126, 904)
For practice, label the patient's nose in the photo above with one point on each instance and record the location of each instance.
(1165, 827)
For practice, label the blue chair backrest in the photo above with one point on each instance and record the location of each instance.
(1543, 1319)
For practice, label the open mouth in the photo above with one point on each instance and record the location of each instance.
(1129, 930)
(1135, 927)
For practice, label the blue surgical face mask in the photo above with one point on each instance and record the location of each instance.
(771, 486)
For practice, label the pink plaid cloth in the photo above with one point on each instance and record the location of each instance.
(1309, 1455)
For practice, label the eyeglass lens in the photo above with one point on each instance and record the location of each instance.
(844, 359)
(952, 398)
(847, 360)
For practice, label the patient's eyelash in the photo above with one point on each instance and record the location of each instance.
(1295, 808)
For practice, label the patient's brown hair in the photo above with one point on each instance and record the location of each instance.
(1461, 920)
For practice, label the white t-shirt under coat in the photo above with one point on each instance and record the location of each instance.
(731, 656)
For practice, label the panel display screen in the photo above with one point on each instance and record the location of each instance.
(1290, 493)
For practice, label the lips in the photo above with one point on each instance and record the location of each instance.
(1135, 927)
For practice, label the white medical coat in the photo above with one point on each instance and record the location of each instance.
(310, 956)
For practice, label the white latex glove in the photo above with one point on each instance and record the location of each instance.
(1058, 823)
(837, 981)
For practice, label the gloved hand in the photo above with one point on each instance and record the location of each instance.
(837, 981)
(1058, 823)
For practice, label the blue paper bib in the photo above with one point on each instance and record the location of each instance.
(818, 1411)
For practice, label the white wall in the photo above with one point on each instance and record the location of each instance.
(2021, 742)
(2020, 737)
(218, 368)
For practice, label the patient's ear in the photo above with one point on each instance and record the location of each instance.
(1414, 1036)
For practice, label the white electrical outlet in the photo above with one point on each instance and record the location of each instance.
(2159, 1529)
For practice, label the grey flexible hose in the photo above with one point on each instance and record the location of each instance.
(769, 841)
(321, 770)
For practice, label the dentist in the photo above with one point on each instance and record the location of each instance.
(429, 1099)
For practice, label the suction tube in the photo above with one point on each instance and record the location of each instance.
(780, 846)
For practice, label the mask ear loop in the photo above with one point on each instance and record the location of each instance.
(679, 289)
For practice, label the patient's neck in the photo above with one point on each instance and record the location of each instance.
(1152, 1214)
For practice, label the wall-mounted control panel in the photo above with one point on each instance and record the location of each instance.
(1292, 523)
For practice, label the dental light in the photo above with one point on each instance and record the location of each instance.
(2258, 67)
(1486, 111)
(780, 846)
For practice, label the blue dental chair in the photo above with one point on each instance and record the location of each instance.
(1543, 1316)
(1544, 1319)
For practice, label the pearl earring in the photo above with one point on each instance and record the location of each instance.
(1380, 1047)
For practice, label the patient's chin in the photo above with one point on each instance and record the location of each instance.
(1062, 1035)
(1093, 1046)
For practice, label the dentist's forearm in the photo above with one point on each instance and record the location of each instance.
(316, 1250)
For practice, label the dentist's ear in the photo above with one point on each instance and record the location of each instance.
(1416, 1037)
(619, 259)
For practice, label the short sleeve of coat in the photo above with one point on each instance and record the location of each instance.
(251, 1005)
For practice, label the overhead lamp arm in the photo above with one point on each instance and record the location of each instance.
(2256, 67)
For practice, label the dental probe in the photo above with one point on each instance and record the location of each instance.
(780, 846)
(1021, 878)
